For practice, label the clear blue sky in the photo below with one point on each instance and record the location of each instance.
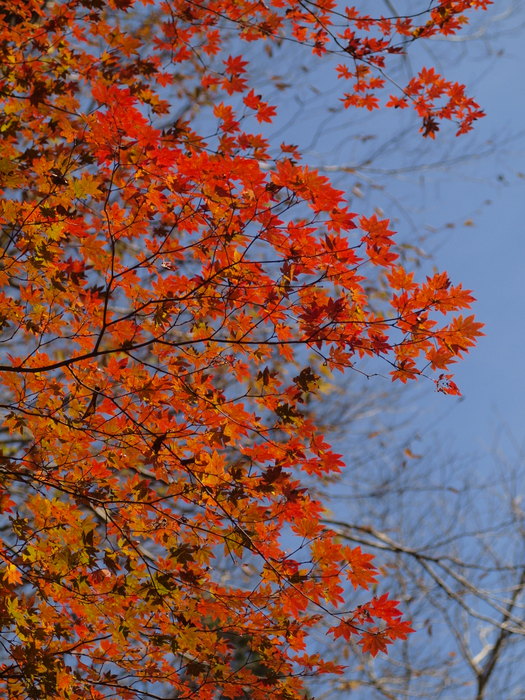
(469, 209)
(489, 256)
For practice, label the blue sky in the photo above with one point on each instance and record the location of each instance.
(489, 255)
(461, 200)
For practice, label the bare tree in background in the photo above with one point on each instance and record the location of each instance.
(453, 548)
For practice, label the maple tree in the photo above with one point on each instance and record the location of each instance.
(173, 284)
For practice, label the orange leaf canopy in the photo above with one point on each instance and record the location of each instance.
(167, 299)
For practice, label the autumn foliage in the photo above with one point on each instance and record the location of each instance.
(172, 287)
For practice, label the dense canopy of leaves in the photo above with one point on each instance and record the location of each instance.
(169, 299)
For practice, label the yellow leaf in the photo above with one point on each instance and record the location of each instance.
(12, 574)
